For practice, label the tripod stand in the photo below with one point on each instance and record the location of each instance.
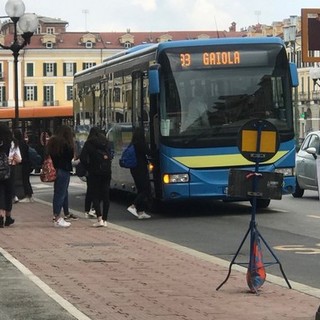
(255, 235)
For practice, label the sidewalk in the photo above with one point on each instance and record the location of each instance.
(117, 274)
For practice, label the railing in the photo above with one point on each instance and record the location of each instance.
(315, 95)
(303, 96)
(51, 103)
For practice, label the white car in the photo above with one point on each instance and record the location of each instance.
(306, 164)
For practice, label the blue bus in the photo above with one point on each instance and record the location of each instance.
(192, 97)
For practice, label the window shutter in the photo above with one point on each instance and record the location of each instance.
(55, 69)
(35, 93)
(64, 69)
(44, 69)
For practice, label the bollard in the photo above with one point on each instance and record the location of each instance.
(318, 314)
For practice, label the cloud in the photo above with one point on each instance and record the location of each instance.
(146, 5)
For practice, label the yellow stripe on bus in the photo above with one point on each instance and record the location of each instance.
(225, 160)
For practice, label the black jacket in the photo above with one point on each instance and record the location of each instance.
(96, 156)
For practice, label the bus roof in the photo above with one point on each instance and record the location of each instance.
(37, 112)
(156, 48)
(218, 41)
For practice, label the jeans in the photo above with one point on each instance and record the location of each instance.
(60, 192)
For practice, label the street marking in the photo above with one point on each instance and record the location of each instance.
(47, 186)
(299, 249)
(42, 186)
(313, 216)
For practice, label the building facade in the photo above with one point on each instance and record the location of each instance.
(46, 66)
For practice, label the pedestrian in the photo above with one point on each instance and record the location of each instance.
(82, 173)
(96, 157)
(60, 147)
(140, 174)
(25, 166)
(6, 187)
(14, 160)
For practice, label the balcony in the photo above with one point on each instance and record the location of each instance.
(51, 103)
(303, 96)
(315, 95)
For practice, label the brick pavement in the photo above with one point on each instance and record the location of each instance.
(115, 273)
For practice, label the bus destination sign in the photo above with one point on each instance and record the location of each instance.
(218, 58)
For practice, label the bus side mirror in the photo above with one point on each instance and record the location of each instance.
(294, 74)
(154, 82)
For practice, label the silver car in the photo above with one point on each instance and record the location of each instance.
(306, 164)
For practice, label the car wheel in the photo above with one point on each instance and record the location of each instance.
(262, 203)
(298, 193)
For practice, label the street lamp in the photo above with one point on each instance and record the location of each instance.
(289, 37)
(27, 24)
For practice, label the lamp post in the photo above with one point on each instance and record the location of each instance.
(27, 24)
(289, 35)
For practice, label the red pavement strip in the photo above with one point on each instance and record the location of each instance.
(116, 273)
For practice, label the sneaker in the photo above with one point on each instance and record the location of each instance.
(62, 223)
(26, 199)
(15, 199)
(92, 214)
(105, 223)
(9, 221)
(71, 216)
(98, 224)
(132, 209)
(143, 215)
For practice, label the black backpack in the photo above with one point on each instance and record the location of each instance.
(4, 166)
(104, 161)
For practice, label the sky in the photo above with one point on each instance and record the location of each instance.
(165, 15)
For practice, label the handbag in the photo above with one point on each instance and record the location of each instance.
(48, 172)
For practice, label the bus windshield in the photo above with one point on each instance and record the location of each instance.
(208, 93)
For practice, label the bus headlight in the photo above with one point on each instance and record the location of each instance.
(285, 171)
(175, 178)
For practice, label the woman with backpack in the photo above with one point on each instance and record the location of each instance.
(6, 187)
(96, 158)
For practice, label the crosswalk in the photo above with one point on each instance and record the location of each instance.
(50, 185)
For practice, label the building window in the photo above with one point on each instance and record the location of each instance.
(3, 102)
(87, 65)
(48, 95)
(1, 71)
(30, 93)
(89, 44)
(69, 93)
(49, 45)
(50, 30)
(29, 69)
(69, 69)
(50, 69)
(127, 45)
(117, 94)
